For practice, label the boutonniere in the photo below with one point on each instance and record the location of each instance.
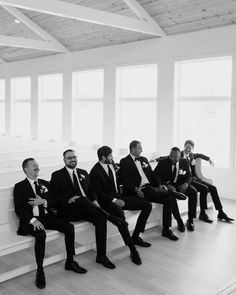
(43, 189)
(182, 172)
(193, 162)
(82, 177)
(116, 167)
(144, 165)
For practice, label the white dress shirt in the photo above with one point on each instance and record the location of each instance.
(36, 208)
(144, 179)
(70, 171)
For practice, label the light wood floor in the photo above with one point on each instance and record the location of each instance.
(200, 263)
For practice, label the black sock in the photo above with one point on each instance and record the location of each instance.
(69, 259)
(202, 211)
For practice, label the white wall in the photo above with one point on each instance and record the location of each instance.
(165, 51)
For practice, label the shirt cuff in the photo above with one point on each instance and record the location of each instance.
(45, 203)
(114, 200)
(32, 220)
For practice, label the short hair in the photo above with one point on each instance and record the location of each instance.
(25, 162)
(104, 151)
(175, 149)
(189, 141)
(133, 144)
(67, 151)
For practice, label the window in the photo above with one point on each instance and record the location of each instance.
(20, 108)
(136, 95)
(87, 113)
(203, 106)
(2, 107)
(50, 90)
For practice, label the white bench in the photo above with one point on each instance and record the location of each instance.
(10, 242)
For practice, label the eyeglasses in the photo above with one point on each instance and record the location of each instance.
(71, 158)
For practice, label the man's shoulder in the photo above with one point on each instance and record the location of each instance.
(82, 171)
(43, 182)
(20, 183)
(58, 172)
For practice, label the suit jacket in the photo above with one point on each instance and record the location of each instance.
(130, 177)
(192, 157)
(62, 188)
(103, 185)
(23, 191)
(164, 171)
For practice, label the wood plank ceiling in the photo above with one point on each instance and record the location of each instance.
(173, 16)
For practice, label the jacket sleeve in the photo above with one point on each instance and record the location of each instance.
(91, 193)
(158, 171)
(201, 156)
(56, 194)
(20, 205)
(97, 185)
(124, 177)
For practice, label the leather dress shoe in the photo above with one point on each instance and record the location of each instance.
(134, 255)
(40, 281)
(181, 226)
(103, 259)
(169, 234)
(140, 242)
(190, 225)
(180, 196)
(204, 217)
(224, 216)
(74, 266)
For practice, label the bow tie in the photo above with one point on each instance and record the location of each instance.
(137, 159)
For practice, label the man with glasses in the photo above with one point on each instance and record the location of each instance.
(76, 201)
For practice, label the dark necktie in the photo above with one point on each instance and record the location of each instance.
(174, 173)
(76, 185)
(38, 192)
(111, 176)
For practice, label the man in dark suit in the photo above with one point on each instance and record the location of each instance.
(174, 174)
(33, 207)
(202, 186)
(139, 180)
(104, 178)
(76, 200)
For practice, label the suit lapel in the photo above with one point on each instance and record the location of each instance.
(68, 177)
(132, 163)
(29, 190)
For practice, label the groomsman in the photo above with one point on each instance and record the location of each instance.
(105, 180)
(140, 181)
(202, 186)
(33, 206)
(76, 201)
(175, 175)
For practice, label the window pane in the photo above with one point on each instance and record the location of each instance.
(207, 77)
(20, 119)
(209, 128)
(50, 86)
(88, 84)
(88, 123)
(137, 81)
(21, 88)
(137, 120)
(205, 115)
(2, 118)
(50, 121)
(2, 89)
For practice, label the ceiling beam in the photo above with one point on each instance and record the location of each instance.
(142, 13)
(82, 13)
(28, 43)
(33, 26)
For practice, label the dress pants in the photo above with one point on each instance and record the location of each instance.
(204, 187)
(84, 209)
(54, 223)
(131, 203)
(191, 193)
(161, 196)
